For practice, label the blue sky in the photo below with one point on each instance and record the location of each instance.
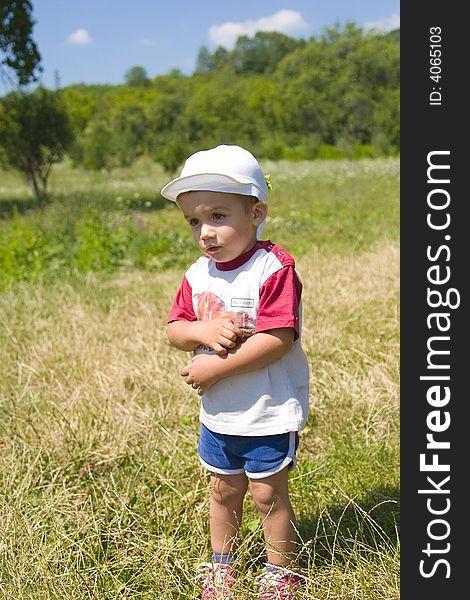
(96, 41)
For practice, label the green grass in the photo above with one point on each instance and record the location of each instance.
(118, 220)
(101, 492)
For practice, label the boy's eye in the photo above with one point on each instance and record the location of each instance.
(193, 222)
(218, 216)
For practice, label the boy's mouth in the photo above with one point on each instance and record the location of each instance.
(212, 249)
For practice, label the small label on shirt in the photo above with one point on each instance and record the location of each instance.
(242, 302)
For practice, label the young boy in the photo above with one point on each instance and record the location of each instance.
(238, 310)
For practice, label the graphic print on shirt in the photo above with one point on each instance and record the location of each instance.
(209, 306)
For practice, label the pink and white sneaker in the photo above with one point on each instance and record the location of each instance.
(219, 581)
(281, 585)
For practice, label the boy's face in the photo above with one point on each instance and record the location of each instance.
(223, 225)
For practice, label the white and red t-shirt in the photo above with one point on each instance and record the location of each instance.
(262, 290)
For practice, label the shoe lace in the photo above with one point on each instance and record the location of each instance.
(278, 586)
(218, 579)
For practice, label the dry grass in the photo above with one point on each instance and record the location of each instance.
(101, 493)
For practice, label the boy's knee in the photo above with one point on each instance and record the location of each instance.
(266, 498)
(228, 488)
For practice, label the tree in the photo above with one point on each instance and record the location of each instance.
(112, 140)
(341, 87)
(220, 58)
(175, 72)
(136, 76)
(204, 61)
(171, 152)
(258, 54)
(18, 51)
(34, 134)
(262, 53)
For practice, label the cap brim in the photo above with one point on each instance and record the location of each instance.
(211, 182)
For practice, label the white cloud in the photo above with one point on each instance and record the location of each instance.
(284, 21)
(147, 42)
(80, 37)
(385, 25)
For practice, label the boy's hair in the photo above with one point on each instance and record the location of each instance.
(251, 200)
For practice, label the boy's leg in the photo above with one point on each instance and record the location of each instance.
(226, 507)
(271, 497)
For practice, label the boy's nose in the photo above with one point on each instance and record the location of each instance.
(207, 232)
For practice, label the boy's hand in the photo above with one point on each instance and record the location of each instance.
(221, 334)
(255, 353)
(200, 372)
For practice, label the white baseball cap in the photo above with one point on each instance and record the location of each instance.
(229, 169)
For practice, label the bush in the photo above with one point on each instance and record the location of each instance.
(94, 148)
(22, 252)
(381, 144)
(364, 151)
(155, 251)
(102, 241)
(273, 150)
(328, 151)
(171, 153)
(66, 240)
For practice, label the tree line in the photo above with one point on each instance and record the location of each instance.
(334, 95)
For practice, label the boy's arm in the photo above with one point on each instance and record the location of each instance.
(256, 352)
(219, 334)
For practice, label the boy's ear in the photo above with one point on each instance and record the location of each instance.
(260, 211)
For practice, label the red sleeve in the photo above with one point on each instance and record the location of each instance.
(182, 309)
(279, 301)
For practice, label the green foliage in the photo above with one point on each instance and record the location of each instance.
(31, 249)
(171, 153)
(101, 241)
(363, 151)
(175, 72)
(335, 205)
(18, 51)
(394, 35)
(213, 117)
(34, 133)
(3, 159)
(279, 96)
(327, 151)
(258, 54)
(220, 58)
(116, 141)
(155, 252)
(22, 252)
(136, 76)
(95, 146)
(203, 62)
(263, 52)
(345, 85)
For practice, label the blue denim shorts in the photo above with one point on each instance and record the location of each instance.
(256, 456)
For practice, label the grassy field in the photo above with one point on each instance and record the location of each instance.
(101, 491)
